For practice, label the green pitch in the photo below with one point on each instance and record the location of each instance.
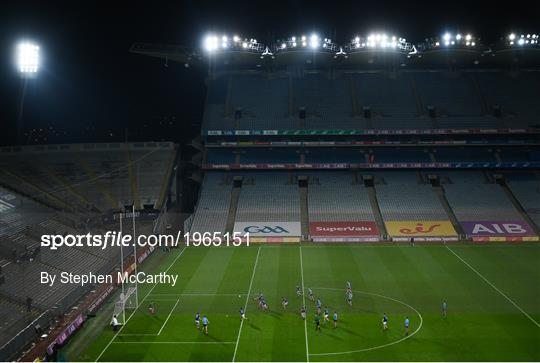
(493, 295)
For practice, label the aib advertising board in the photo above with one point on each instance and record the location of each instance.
(497, 229)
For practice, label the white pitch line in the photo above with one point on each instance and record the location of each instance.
(378, 346)
(196, 294)
(158, 342)
(304, 302)
(168, 317)
(246, 304)
(144, 298)
(494, 287)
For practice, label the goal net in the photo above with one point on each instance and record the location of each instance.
(127, 301)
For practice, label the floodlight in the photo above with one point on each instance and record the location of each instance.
(210, 43)
(283, 46)
(521, 41)
(458, 37)
(314, 41)
(446, 37)
(236, 38)
(512, 36)
(244, 45)
(27, 57)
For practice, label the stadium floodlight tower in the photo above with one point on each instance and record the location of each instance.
(27, 61)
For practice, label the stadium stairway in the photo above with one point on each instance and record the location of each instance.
(518, 205)
(133, 179)
(304, 213)
(165, 183)
(85, 203)
(439, 190)
(233, 205)
(372, 195)
(99, 183)
(42, 197)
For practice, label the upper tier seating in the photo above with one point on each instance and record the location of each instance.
(213, 205)
(334, 196)
(403, 198)
(268, 197)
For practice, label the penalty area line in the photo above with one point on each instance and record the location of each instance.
(140, 304)
(159, 342)
(494, 287)
(168, 317)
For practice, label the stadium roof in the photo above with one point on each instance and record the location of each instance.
(377, 50)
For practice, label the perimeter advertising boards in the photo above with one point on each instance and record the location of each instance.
(343, 231)
(421, 230)
(269, 229)
(499, 231)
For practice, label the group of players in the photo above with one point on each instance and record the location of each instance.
(303, 312)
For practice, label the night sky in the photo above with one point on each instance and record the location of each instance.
(90, 88)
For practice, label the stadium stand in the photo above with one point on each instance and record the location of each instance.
(89, 178)
(472, 199)
(213, 206)
(520, 107)
(526, 188)
(268, 197)
(336, 196)
(401, 197)
(458, 154)
(396, 100)
(334, 155)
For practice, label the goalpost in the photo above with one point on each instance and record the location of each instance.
(129, 297)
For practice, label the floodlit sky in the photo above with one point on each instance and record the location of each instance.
(90, 87)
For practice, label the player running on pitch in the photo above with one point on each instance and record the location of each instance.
(205, 323)
(243, 314)
(326, 315)
(335, 319)
(284, 303)
(319, 305)
(385, 322)
(303, 312)
(444, 308)
(198, 320)
(310, 295)
(298, 291)
(349, 297)
(407, 323)
(348, 285)
(151, 308)
(317, 322)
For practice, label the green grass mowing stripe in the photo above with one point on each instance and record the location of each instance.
(246, 303)
(304, 302)
(494, 287)
(140, 304)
